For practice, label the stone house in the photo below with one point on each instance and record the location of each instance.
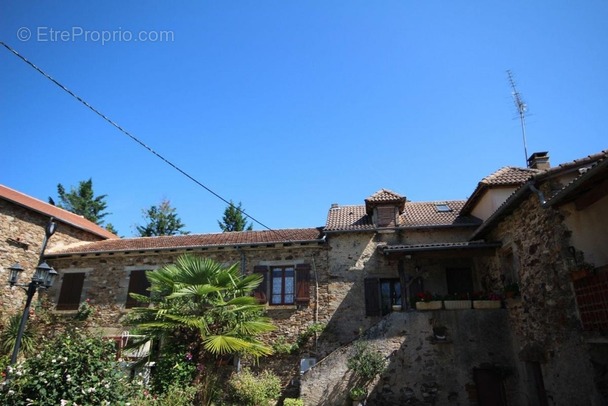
(553, 234)
(539, 228)
(106, 272)
(22, 223)
(361, 273)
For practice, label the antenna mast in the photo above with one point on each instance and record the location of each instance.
(521, 110)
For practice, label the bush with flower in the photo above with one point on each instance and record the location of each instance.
(75, 368)
(84, 310)
(426, 296)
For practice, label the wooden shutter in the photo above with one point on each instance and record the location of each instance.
(71, 289)
(138, 283)
(303, 284)
(386, 216)
(261, 292)
(372, 297)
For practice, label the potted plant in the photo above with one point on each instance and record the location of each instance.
(427, 301)
(457, 301)
(581, 271)
(483, 300)
(365, 363)
(440, 332)
(357, 394)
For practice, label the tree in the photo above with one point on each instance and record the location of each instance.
(201, 311)
(110, 227)
(207, 302)
(162, 220)
(82, 201)
(234, 219)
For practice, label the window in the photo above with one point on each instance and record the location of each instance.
(442, 208)
(591, 295)
(284, 284)
(381, 295)
(459, 280)
(71, 291)
(138, 284)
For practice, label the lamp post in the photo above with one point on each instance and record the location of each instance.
(43, 278)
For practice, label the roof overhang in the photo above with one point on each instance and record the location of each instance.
(447, 249)
(588, 188)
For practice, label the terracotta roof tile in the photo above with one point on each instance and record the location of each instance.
(509, 176)
(348, 218)
(595, 171)
(424, 214)
(237, 238)
(52, 211)
(415, 214)
(384, 195)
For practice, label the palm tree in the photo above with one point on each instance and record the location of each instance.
(209, 304)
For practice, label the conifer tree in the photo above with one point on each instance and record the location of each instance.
(161, 220)
(82, 201)
(234, 219)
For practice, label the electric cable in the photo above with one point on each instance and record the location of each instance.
(137, 140)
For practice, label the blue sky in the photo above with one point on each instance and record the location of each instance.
(291, 106)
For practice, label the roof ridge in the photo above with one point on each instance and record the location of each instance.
(60, 214)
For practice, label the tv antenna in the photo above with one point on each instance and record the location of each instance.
(522, 108)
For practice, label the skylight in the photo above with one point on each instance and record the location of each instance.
(442, 207)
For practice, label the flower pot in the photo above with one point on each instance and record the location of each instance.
(579, 274)
(486, 304)
(457, 304)
(432, 305)
(396, 308)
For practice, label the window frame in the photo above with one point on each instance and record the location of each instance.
(283, 277)
(67, 292)
(377, 303)
(301, 291)
(140, 289)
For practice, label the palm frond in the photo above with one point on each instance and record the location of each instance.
(225, 344)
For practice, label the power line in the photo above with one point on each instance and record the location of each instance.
(137, 140)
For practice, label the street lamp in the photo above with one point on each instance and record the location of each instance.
(43, 278)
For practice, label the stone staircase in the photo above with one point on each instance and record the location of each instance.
(420, 368)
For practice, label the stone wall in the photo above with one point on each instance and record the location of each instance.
(355, 256)
(107, 280)
(21, 236)
(543, 320)
(421, 369)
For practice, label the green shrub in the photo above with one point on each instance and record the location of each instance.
(173, 367)
(175, 395)
(293, 402)
(74, 368)
(9, 336)
(254, 389)
(365, 363)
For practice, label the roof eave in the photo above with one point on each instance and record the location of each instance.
(52, 255)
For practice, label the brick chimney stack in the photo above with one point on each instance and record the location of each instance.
(539, 160)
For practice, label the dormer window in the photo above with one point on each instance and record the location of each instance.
(386, 216)
(442, 208)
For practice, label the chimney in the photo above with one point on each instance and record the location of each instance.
(539, 160)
